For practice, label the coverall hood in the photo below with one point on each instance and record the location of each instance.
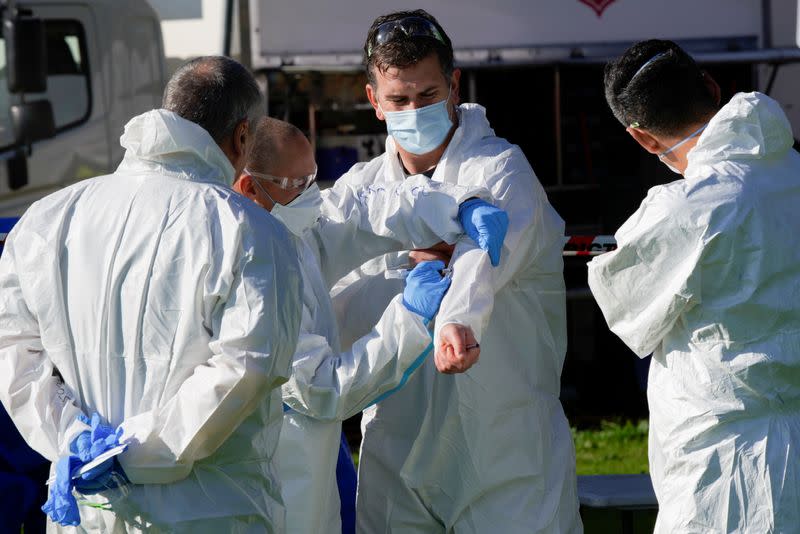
(750, 126)
(164, 141)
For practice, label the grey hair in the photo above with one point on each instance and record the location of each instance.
(216, 93)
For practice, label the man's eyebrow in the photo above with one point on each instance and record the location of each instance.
(403, 95)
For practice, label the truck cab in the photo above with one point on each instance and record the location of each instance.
(103, 64)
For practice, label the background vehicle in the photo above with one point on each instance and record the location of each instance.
(84, 69)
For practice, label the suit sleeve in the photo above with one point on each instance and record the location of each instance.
(331, 386)
(255, 333)
(359, 223)
(644, 285)
(534, 229)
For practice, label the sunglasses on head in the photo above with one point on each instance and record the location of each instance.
(405, 27)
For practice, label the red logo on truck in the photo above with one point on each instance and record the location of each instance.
(598, 5)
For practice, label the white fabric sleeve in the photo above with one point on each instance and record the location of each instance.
(330, 386)
(255, 334)
(42, 407)
(361, 222)
(470, 299)
(644, 285)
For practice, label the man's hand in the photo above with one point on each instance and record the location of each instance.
(486, 225)
(457, 350)
(441, 251)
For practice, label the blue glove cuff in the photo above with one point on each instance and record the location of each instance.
(467, 204)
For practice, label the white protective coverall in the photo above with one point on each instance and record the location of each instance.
(707, 278)
(153, 293)
(328, 385)
(488, 450)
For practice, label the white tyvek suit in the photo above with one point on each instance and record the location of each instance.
(154, 293)
(488, 450)
(707, 277)
(328, 385)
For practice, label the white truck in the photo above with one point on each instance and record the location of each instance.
(536, 65)
(72, 73)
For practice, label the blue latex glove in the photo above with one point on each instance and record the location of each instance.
(61, 505)
(108, 475)
(425, 288)
(92, 443)
(486, 225)
(88, 446)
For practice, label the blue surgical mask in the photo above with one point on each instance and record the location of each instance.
(679, 143)
(420, 130)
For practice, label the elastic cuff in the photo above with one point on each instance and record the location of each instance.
(468, 203)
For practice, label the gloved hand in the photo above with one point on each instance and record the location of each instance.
(61, 505)
(486, 225)
(88, 446)
(425, 289)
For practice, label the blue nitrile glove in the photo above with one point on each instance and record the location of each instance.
(61, 505)
(486, 225)
(92, 443)
(108, 475)
(88, 446)
(425, 288)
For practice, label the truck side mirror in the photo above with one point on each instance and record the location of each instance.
(26, 55)
(32, 121)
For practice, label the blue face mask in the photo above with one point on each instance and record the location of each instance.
(420, 130)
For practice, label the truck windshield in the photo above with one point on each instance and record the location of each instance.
(67, 79)
(6, 135)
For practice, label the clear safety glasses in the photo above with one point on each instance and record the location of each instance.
(289, 184)
(408, 27)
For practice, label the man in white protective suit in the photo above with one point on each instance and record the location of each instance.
(488, 450)
(165, 306)
(327, 384)
(707, 279)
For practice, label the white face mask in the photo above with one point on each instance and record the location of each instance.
(302, 212)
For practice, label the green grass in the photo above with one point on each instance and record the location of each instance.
(615, 448)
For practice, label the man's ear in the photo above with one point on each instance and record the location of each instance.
(455, 85)
(240, 138)
(713, 87)
(372, 95)
(646, 140)
(244, 186)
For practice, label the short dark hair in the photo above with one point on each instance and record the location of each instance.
(404, 51)
(215, 92)
(657, 86)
